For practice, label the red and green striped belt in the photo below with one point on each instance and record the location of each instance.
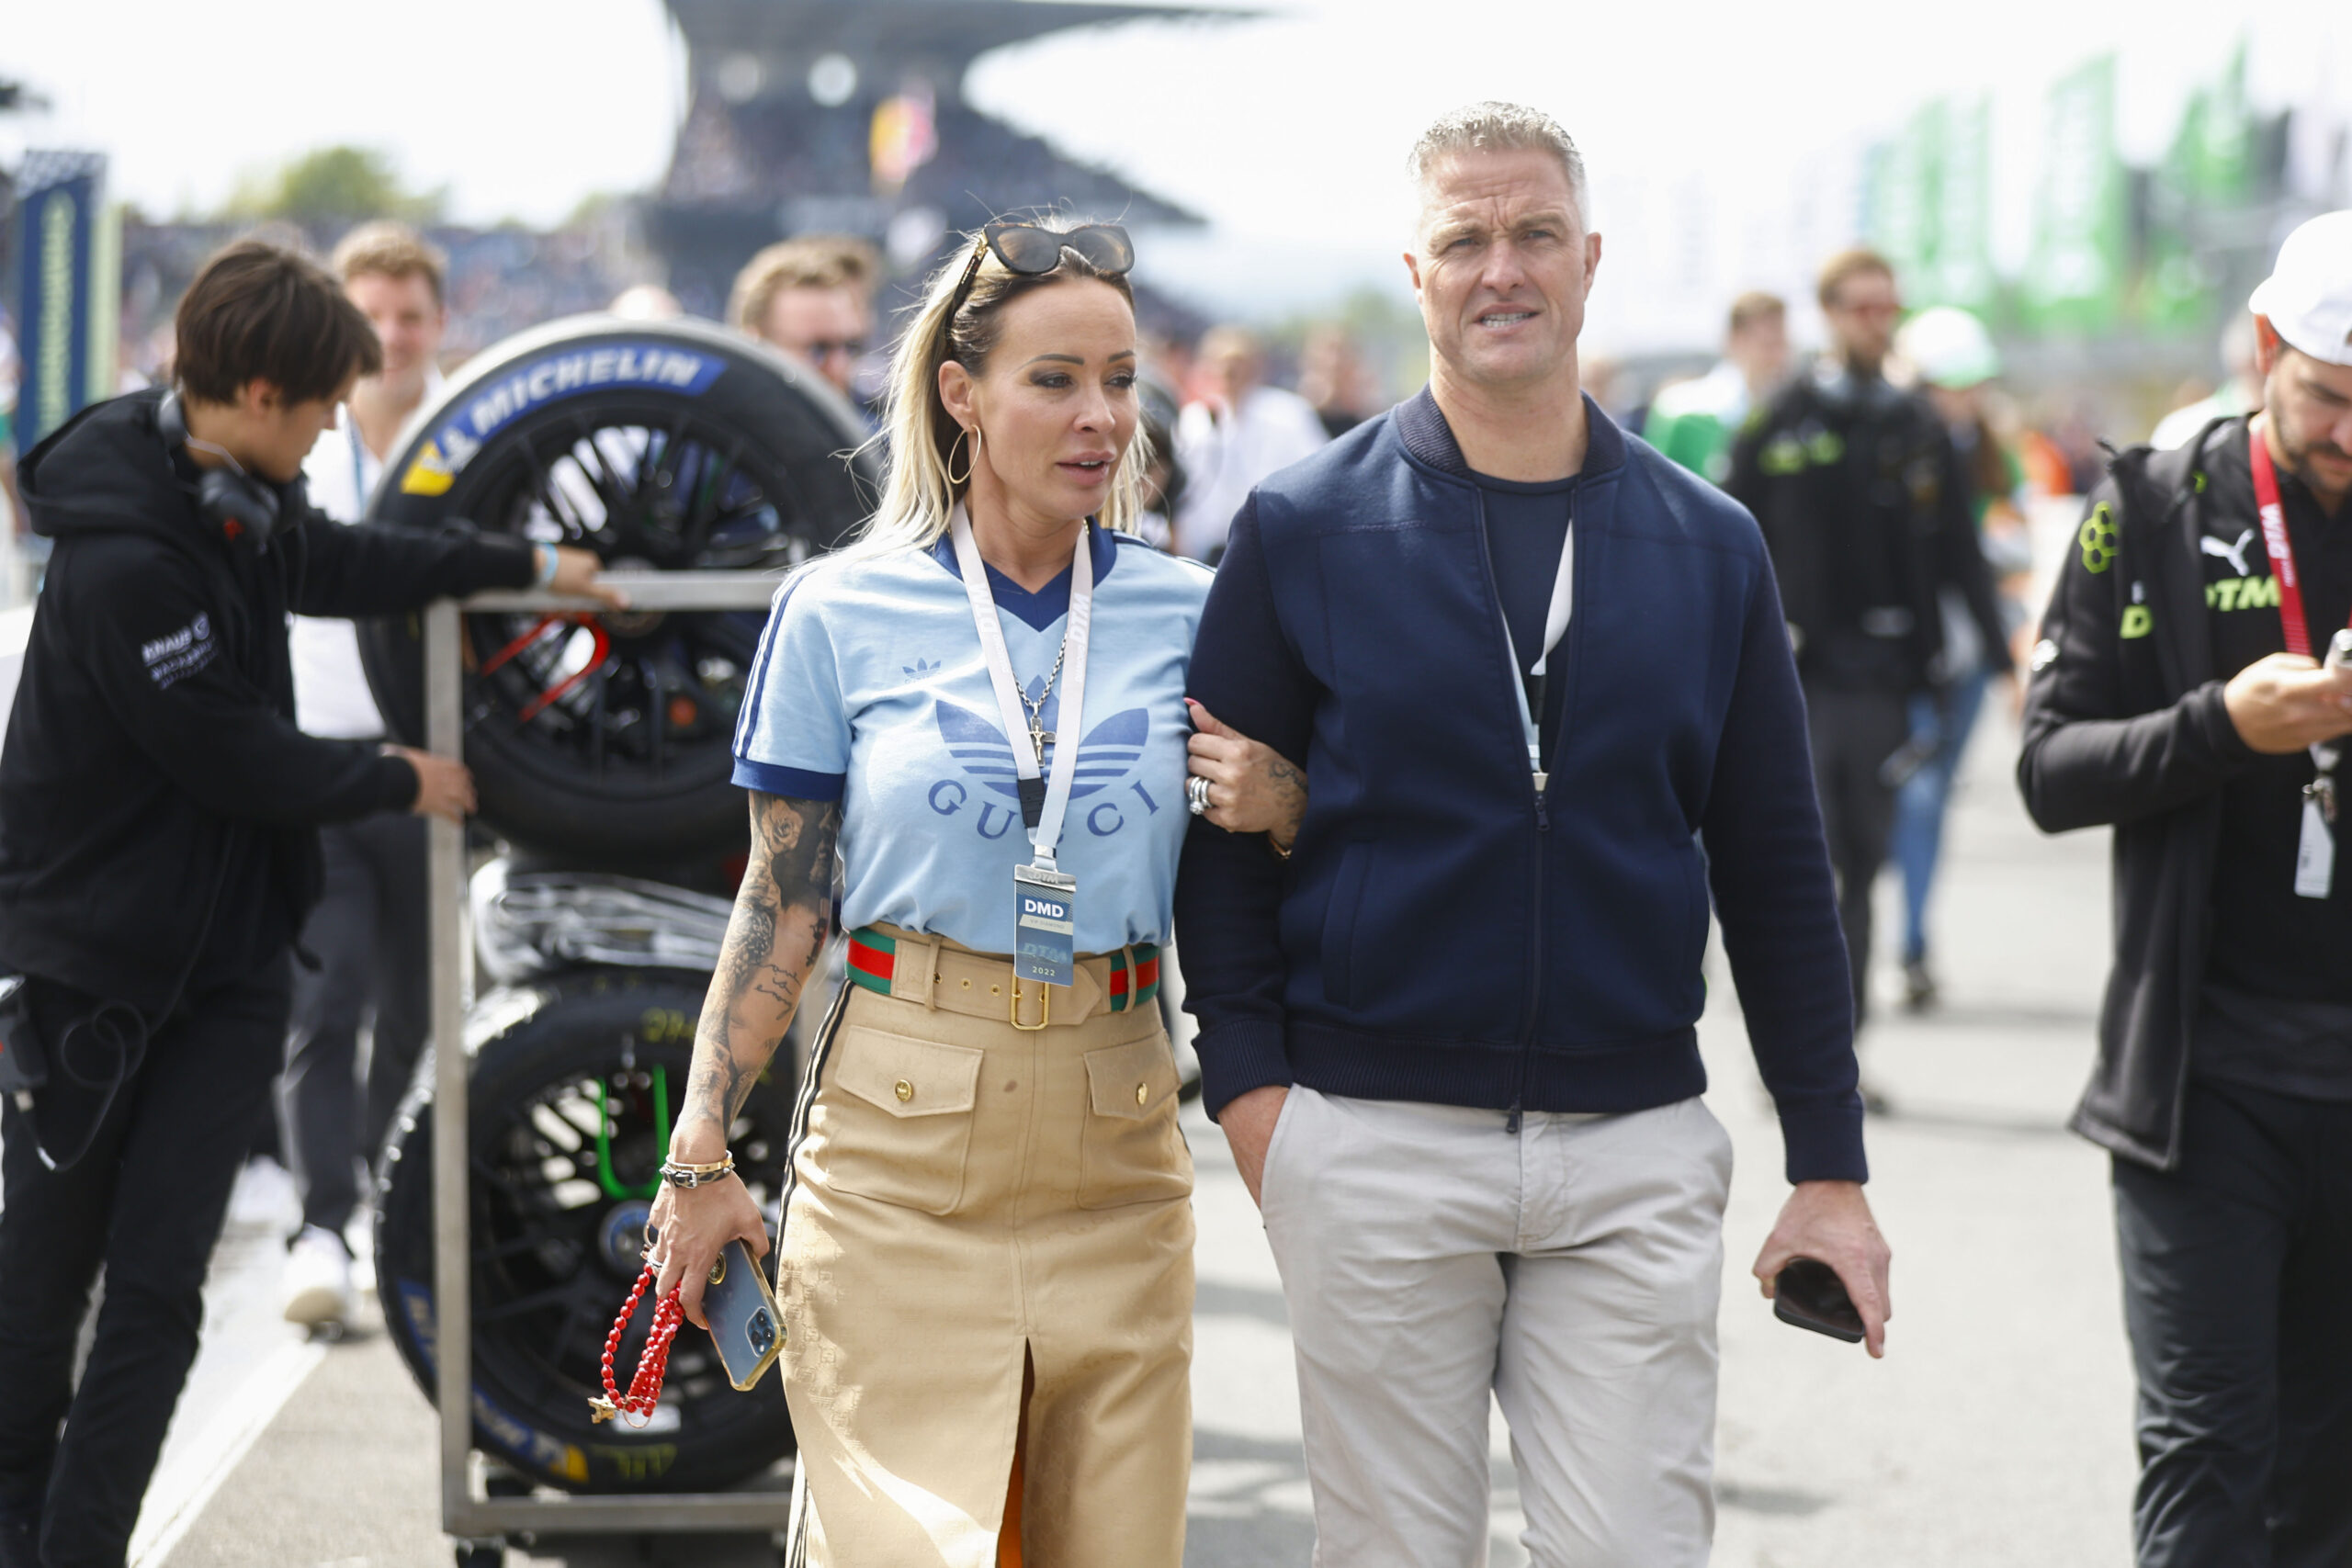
(872, 964)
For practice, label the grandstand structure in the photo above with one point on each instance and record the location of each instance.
(800, 111)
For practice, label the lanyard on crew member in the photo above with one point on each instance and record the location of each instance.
(1555, 624)
(2315, 852)
(1044, 899)
(358, 464)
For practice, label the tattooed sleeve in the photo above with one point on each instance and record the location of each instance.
(783, 916)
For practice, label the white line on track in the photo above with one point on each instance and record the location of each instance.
(185, 1482)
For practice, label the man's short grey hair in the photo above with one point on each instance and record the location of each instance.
(1493, 127)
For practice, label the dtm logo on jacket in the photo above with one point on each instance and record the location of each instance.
(173, 658)
(2244, 591)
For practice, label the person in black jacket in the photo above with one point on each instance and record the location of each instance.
(2172, 698)
(158, 850)
(1866, 512)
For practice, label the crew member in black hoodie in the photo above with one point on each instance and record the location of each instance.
(158, 850)
(1865, 509)
(2177, 698)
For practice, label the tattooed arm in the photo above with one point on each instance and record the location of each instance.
(1252, 787)
(783, 914)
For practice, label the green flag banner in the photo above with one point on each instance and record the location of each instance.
(1962, 273)
(2076, 277)
(1930, 204)
(1902, 190)
(2205, 181)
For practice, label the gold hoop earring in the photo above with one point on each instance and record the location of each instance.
(954, 478)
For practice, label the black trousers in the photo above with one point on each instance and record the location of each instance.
(1853, 733)
(369, 935)
(2237, 1290)
(146, 1202)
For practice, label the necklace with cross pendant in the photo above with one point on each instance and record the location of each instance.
(1039, 735)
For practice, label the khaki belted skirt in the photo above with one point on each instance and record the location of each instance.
(969, 1195)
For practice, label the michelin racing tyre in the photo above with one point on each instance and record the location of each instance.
(665, 446)
(574, 1084)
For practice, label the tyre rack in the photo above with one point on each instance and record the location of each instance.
(480, 1523)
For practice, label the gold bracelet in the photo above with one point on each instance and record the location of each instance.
(693, 1176)
(1279, 852)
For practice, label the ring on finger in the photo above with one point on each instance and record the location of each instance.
(1196, 794)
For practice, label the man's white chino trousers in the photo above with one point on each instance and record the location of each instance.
(1573, 1268)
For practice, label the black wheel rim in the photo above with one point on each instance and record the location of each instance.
(561, 1178)
(643, 704)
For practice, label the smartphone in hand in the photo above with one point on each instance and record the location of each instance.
(1809, 1294)
(741, 1309)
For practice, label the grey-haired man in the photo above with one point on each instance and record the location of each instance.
(1528, 665)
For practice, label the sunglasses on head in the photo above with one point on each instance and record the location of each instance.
(1032, 252)
(1029, 250)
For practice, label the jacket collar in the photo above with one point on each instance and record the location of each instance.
(1428, 440)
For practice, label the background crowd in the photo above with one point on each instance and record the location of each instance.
(808, 220)
(1229, 402)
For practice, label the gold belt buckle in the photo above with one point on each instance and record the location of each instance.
(1045, 1009)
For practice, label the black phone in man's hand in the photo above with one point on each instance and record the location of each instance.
(1809, 1294)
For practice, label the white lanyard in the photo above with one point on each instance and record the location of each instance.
(1556, 626)
(1046, 823)
(362, 459)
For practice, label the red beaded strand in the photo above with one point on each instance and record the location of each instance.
(645, 1388)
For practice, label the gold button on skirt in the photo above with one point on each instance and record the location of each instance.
(966, 1194)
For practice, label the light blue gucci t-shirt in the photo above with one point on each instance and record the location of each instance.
(870, 689)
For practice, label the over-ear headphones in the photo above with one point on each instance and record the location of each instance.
(228, 496)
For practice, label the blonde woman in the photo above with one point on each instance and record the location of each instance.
(986, 1269)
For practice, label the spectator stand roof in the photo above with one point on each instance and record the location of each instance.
(950, 33)
(767, 150)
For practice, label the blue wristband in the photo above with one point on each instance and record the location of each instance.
(545, 568)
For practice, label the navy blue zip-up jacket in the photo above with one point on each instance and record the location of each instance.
(1445, 933)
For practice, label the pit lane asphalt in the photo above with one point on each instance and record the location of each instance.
(1997, 1429)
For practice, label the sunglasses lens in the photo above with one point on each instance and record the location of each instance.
(1026, 250)
(1105, 247)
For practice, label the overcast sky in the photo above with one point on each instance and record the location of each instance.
(1286, 131)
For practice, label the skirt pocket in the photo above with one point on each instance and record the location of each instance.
(1131, 1151)
(900, 1129)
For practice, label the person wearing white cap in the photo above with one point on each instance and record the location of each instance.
(2175, 697)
